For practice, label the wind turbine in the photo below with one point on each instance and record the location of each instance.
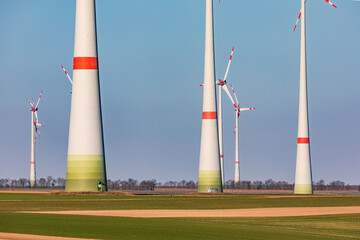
(303, 175)
(238, 109)
(209, 163)
(86, 154)
(222, 86)
(66, 73)
(35, 129)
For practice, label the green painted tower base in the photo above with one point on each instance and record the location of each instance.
(305, 189)
(32, 183)
(85, 172)
(209, 181)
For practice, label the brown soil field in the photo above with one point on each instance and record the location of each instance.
(254, 212)
(15, 236)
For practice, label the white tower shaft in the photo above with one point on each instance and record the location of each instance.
(209, 164)
(32, 160)
(86, 160)
(221, 137)
(303, 177)
(237, 165)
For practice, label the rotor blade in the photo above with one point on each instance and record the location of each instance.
(38, 130)
(36, 117)
(330, 3)
(39, 99)
(228, 93)
(67, 74)
(36, 127)
(297, 21)
(237, 102)
(246, 109)
(228, 66)
(31, 104)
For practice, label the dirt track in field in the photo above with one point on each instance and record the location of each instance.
(15, 236)
(254, 212)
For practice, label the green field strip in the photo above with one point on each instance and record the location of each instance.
(317, 227)
(33, 202)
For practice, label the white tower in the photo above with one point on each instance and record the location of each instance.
(303, 175)
(86, 158)
(209, 164)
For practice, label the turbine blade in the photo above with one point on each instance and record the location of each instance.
(330, 3)
(31, 104)
(228, 93)
(67, 74)
(37, 104)
(228, 66)
(237, 102)
(297, 21)
(246, 109)
(36, 117)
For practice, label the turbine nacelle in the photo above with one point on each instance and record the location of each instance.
(221, 82)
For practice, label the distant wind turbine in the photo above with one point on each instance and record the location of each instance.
(222, 86)
(35, 130)
(238, 109)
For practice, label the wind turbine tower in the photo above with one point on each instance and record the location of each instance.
(86, 156)
(303, 175)
(223, 86)
(35, 129)
(209, 164)
(238, 109)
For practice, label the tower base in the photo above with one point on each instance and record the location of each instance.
(209, 181)
(303, 189)
(85, 173)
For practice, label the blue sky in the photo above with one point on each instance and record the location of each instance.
(151, 56)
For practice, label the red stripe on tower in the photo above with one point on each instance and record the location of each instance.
(237, 162)
(209, 115)
(85, 63)
(303, 140)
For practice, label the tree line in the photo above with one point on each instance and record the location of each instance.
(133, 184)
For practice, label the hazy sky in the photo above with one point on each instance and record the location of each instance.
(151, 57)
